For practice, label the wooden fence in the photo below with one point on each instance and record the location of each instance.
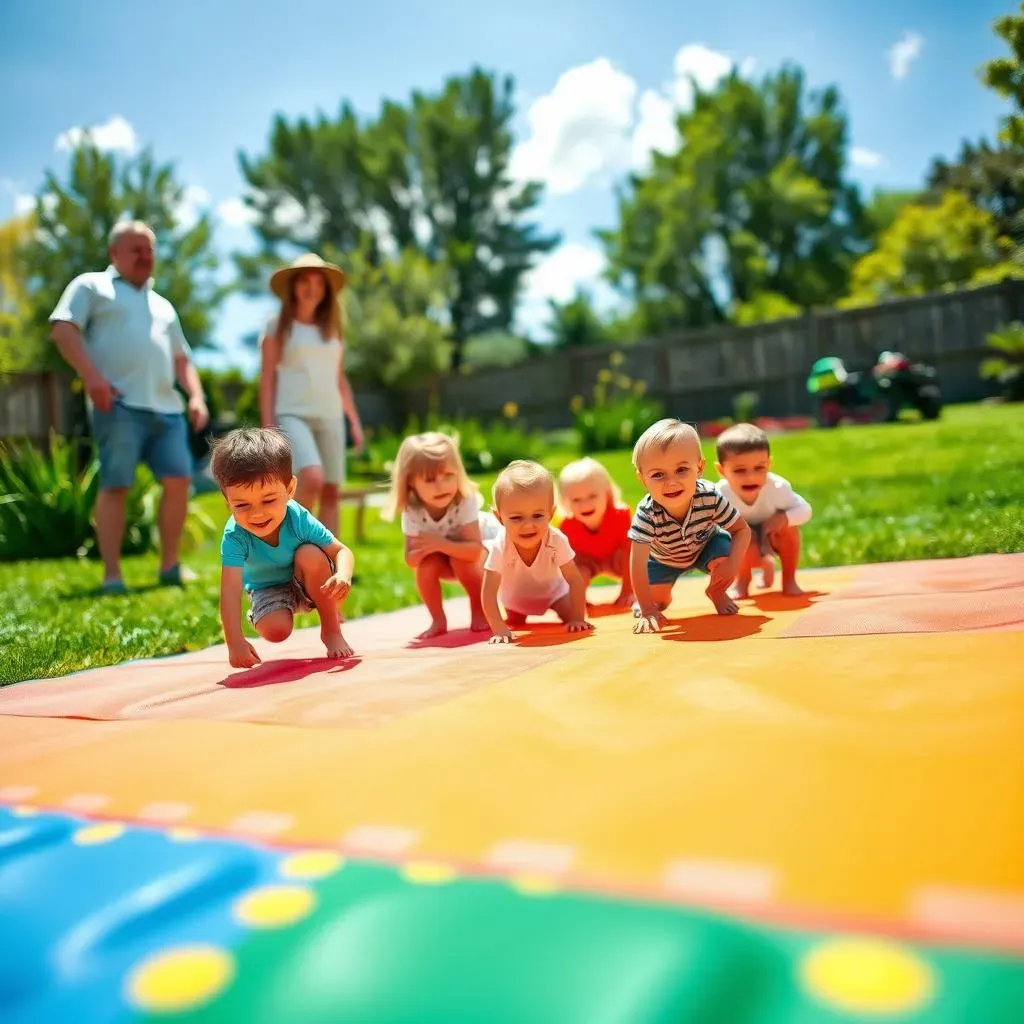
(696, 374)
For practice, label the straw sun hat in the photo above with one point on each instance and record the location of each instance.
(281, 279)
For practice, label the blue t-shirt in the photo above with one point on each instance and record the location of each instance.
(264, 565)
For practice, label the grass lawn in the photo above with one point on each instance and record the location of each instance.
(880, 493)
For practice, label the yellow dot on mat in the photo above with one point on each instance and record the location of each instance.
(535, 885)
(311, 864)
(183, 835)
(425, 872)
(180, 979)
(93, 835)
(24, 811)
(274, 906)
(867, 976)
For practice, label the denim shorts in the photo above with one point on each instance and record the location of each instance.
(126, 436)
(291, 597)
(719, 545)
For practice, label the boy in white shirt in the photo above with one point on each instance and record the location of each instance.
(530, 565)
(768, 503)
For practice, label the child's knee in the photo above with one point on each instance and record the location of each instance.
(434, 565)
(275, 627)
(311, 562)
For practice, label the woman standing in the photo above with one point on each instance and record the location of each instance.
(303, 387)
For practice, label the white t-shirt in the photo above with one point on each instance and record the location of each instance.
(530, 589)
(777, 495)
(308, 374)
(417, 521)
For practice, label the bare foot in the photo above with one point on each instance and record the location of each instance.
(767, 572)
(723, 603)
(478, 623)
(740, 590)
(438, 627)
(791, 589)
(337, 646)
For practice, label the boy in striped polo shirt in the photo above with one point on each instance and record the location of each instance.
(682, 523)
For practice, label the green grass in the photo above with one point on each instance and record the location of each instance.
(880, 493)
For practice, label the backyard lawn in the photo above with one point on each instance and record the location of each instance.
(880, 493)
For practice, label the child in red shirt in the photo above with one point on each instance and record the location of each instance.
(596, 523)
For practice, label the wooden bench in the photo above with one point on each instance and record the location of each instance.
(360, 498)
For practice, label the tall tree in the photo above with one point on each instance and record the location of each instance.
(73, 220)
(16, 349)
(883, 207)
(754, 200)
(576, 323)
(1006, 76)
(431, 176)
(931, 248)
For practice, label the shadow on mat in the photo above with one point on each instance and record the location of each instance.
(547, 634)
(714, 627)
(600, 611)
(287, 670)
(451, 640)
(776, 601)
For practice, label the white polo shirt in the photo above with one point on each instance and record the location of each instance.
(530, 589)
(132, 336)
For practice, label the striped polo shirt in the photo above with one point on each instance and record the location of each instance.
(678, 542)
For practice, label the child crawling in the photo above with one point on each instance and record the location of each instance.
(274, 549)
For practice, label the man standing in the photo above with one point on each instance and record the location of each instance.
(126, 343)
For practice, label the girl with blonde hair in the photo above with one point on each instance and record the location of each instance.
(444, 524)
(304, 390)
(597, 523)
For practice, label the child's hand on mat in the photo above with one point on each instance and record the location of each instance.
(650, 620)
(337, 587)
(502, 636)
(243, 655)
(578, 626)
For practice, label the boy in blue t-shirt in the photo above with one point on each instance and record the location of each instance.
(285, 559)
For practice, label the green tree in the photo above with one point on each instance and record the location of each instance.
(17, 351)
(431, 176)
(755, 200)
(931, 248)
(74, 218)
(576, 323)
(765, 307)
(394, 330)
(883, 207)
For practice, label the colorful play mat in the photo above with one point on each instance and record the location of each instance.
(809, 812)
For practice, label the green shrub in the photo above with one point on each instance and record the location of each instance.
(619, 411)
(744, 406)
(1006, 364)
(46, 505)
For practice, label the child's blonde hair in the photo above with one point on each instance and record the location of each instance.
(659, 436)
(521, 475)
(424, 455)
(584, 469)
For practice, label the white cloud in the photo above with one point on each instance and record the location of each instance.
(903, 53)
(697, 63)
(579, 129)
(235, 213)
(115, 134)
(558, 276)
(193, 200)
(861, 157)
(596, 121)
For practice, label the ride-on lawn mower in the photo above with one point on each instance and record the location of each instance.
(872, 396)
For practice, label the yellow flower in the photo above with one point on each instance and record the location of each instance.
(576, 403)
(616, 359)
(604, 376)
(623, 381)
(510, 410)
(639, 388)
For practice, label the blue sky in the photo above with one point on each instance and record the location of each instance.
(596, 85)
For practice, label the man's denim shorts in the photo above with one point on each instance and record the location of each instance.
(719, 545)
(126, 436)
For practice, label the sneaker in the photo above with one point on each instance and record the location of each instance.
(176, 576)
(114, 588)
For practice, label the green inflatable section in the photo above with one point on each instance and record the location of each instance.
(368, 944)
